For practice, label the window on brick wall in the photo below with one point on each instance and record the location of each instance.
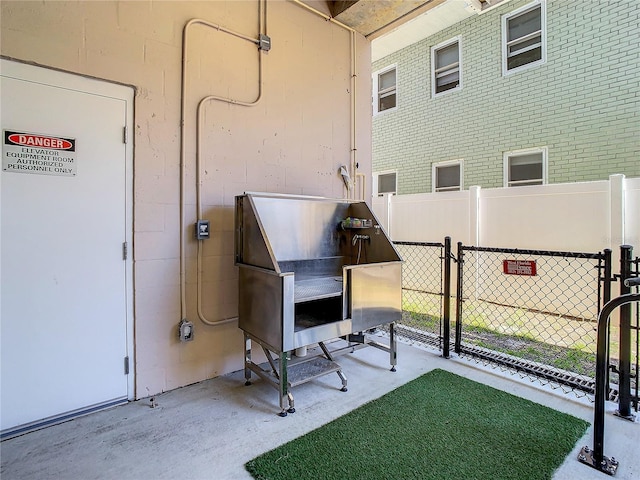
(525, 167)
(446, 67)
(447, 176)
(524, 41)
(384, 89)
(385, 182)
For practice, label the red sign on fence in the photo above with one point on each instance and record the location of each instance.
(519, 267)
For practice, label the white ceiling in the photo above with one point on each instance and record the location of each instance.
(423, 26)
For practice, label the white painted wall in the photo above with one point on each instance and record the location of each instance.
(293, 141)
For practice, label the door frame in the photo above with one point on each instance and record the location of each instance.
(44, 75)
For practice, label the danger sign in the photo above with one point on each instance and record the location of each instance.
(24, 152)
(519, 267)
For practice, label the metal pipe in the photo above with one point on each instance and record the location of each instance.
(185, 42)
(323, 15)
(458, 340)
(262, 24)
(199, 212)
(624, 368)
(446, 317)
(601, 375)
(353, 103)
(353, 79)
(606, 295)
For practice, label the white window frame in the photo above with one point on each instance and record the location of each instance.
(434, 49)
(375, 97)
(376, 176)
(518, 153)
(448, 163)
(543, 37)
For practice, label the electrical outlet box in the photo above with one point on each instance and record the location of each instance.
(265, 42)
(185, 331)
(202, 229)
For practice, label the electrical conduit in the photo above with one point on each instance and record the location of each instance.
(199, 114)
(262, 12)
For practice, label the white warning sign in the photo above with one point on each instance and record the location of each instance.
(37, 153)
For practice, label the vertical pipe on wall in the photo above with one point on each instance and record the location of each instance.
(353, 103)
(353, 107)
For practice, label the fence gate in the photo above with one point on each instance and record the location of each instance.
(533, 311)
(425, 293)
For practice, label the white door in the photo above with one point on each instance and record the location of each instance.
(65, 300)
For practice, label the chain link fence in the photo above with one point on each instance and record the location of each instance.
(422, 292)
(531, 311)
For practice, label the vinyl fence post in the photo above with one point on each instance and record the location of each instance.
(446, 327)
(624, 400)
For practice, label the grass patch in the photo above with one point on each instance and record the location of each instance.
(439, 426)
(525, 347)
(423, 321)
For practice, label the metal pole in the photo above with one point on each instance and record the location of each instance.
(607, 279)
(458, 340)
(595, 458)
(446, 328)
(606, 295)
(624, 399)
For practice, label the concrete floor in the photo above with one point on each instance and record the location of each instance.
(210, 429)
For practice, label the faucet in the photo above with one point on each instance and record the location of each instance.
(359, 237)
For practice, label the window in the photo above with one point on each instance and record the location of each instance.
(446, 72)
(524, 41)
(525, 167)
(384, 88)
(447, 176)
(385, 183)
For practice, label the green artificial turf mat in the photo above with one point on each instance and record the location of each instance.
(438, 426)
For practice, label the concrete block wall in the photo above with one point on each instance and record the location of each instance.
(293, 141)
(582, 103)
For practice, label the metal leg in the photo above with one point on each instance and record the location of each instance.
(393, 346)
(267, 354)
(283, 384)
(325, 350)
(343, 378)
(247, 360)
(291, 408)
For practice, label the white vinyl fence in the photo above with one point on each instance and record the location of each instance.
(573, 217)
(577, 217)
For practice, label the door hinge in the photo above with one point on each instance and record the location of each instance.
(126, 365)
(125, 135)
(125, 250)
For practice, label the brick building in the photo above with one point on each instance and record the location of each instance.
(525, 93)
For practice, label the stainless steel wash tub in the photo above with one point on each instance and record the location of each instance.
(311, 270)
